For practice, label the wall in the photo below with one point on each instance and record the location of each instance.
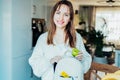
(40, 10)
(16, 36)
(16, 39)
(5, 40)
(21, 39)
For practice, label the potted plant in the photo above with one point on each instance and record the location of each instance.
(99, 55)
(99, 44)
(96, 39)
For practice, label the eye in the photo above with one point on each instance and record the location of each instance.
(67, 14)
(57, 12)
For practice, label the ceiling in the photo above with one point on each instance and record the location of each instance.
(90, 2)
(95, 2)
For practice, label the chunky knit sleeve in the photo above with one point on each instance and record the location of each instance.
(37, 60)
(86, 61)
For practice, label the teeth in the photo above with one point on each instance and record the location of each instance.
(60, 22)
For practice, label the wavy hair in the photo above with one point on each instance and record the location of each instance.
(69, 30)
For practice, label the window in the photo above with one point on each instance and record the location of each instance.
(108, 20)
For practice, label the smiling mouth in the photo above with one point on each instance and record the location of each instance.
(60, 22)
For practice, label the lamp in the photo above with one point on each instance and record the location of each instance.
(110, 2)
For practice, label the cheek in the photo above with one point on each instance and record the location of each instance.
(67, 20)
(55, 16)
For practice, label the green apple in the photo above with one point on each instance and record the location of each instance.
(75, 52)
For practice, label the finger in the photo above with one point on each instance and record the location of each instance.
(58, 57)
(79, 57)
(80, 53)
(51, 61)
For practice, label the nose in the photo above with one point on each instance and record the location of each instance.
(61, 17)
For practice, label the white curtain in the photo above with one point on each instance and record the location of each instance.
(109, 17)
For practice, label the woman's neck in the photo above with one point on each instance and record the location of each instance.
(59, 36)
(60, 32)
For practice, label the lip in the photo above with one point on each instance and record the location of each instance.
(60, 22)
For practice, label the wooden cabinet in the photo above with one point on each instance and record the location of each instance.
(117, 58)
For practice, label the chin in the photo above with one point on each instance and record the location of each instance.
(60, 26)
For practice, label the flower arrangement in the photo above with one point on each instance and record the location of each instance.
(112, 76)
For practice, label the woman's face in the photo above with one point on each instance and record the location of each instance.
(62, 16)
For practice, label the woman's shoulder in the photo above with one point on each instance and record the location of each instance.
(78, 35)
(43, 36)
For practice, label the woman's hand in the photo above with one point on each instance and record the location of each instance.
(79, 56)
(55, 59)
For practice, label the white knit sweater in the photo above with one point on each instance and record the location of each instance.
(42, 53)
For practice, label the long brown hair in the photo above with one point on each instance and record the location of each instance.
(69, 30)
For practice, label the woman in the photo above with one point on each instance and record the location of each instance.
(57, 42)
